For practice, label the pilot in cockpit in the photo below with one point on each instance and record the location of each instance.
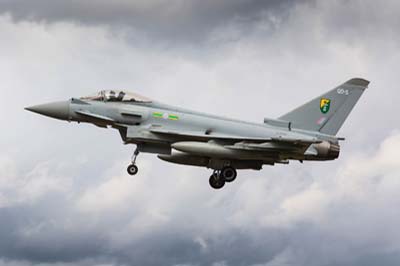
(117, 96)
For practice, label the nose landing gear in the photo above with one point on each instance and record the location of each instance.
(132, 168)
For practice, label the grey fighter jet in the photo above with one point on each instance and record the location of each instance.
(224, 145)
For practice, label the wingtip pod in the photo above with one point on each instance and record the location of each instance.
(358, 82)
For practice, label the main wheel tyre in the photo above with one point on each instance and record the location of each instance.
(132, 169)
(216, 182)
(229, 173)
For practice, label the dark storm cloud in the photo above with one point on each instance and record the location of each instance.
(175, 247)
(177, 20)
(38, 234)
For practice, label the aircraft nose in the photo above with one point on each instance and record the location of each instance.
(58, 110)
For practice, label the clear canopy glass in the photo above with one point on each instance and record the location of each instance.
(117, 96)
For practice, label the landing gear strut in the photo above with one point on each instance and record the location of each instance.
(132, 168)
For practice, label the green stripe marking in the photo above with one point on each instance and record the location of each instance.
(157, 114)
(165, 115)
(173, 117)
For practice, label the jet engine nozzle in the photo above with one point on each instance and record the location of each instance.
(327, 150)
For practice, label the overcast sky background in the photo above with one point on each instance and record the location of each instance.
(65, 198)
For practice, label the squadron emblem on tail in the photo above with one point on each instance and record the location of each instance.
(324, 105)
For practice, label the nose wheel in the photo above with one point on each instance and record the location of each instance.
(132, 168)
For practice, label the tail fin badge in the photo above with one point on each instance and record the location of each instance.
(324, 105)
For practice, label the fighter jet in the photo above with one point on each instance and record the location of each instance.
(181, 136)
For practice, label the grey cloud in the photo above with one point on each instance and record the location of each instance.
(169, 245)
(40, 233)
(171, 21)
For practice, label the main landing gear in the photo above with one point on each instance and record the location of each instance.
(217, 180)
(132, 168)
(220, 177)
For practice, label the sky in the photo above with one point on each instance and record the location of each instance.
(65, 196)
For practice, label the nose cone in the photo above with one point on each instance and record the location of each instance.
(58, 110)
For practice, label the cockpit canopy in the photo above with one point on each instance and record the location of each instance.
(117, 96)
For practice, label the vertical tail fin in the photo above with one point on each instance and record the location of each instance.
(328, 112)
